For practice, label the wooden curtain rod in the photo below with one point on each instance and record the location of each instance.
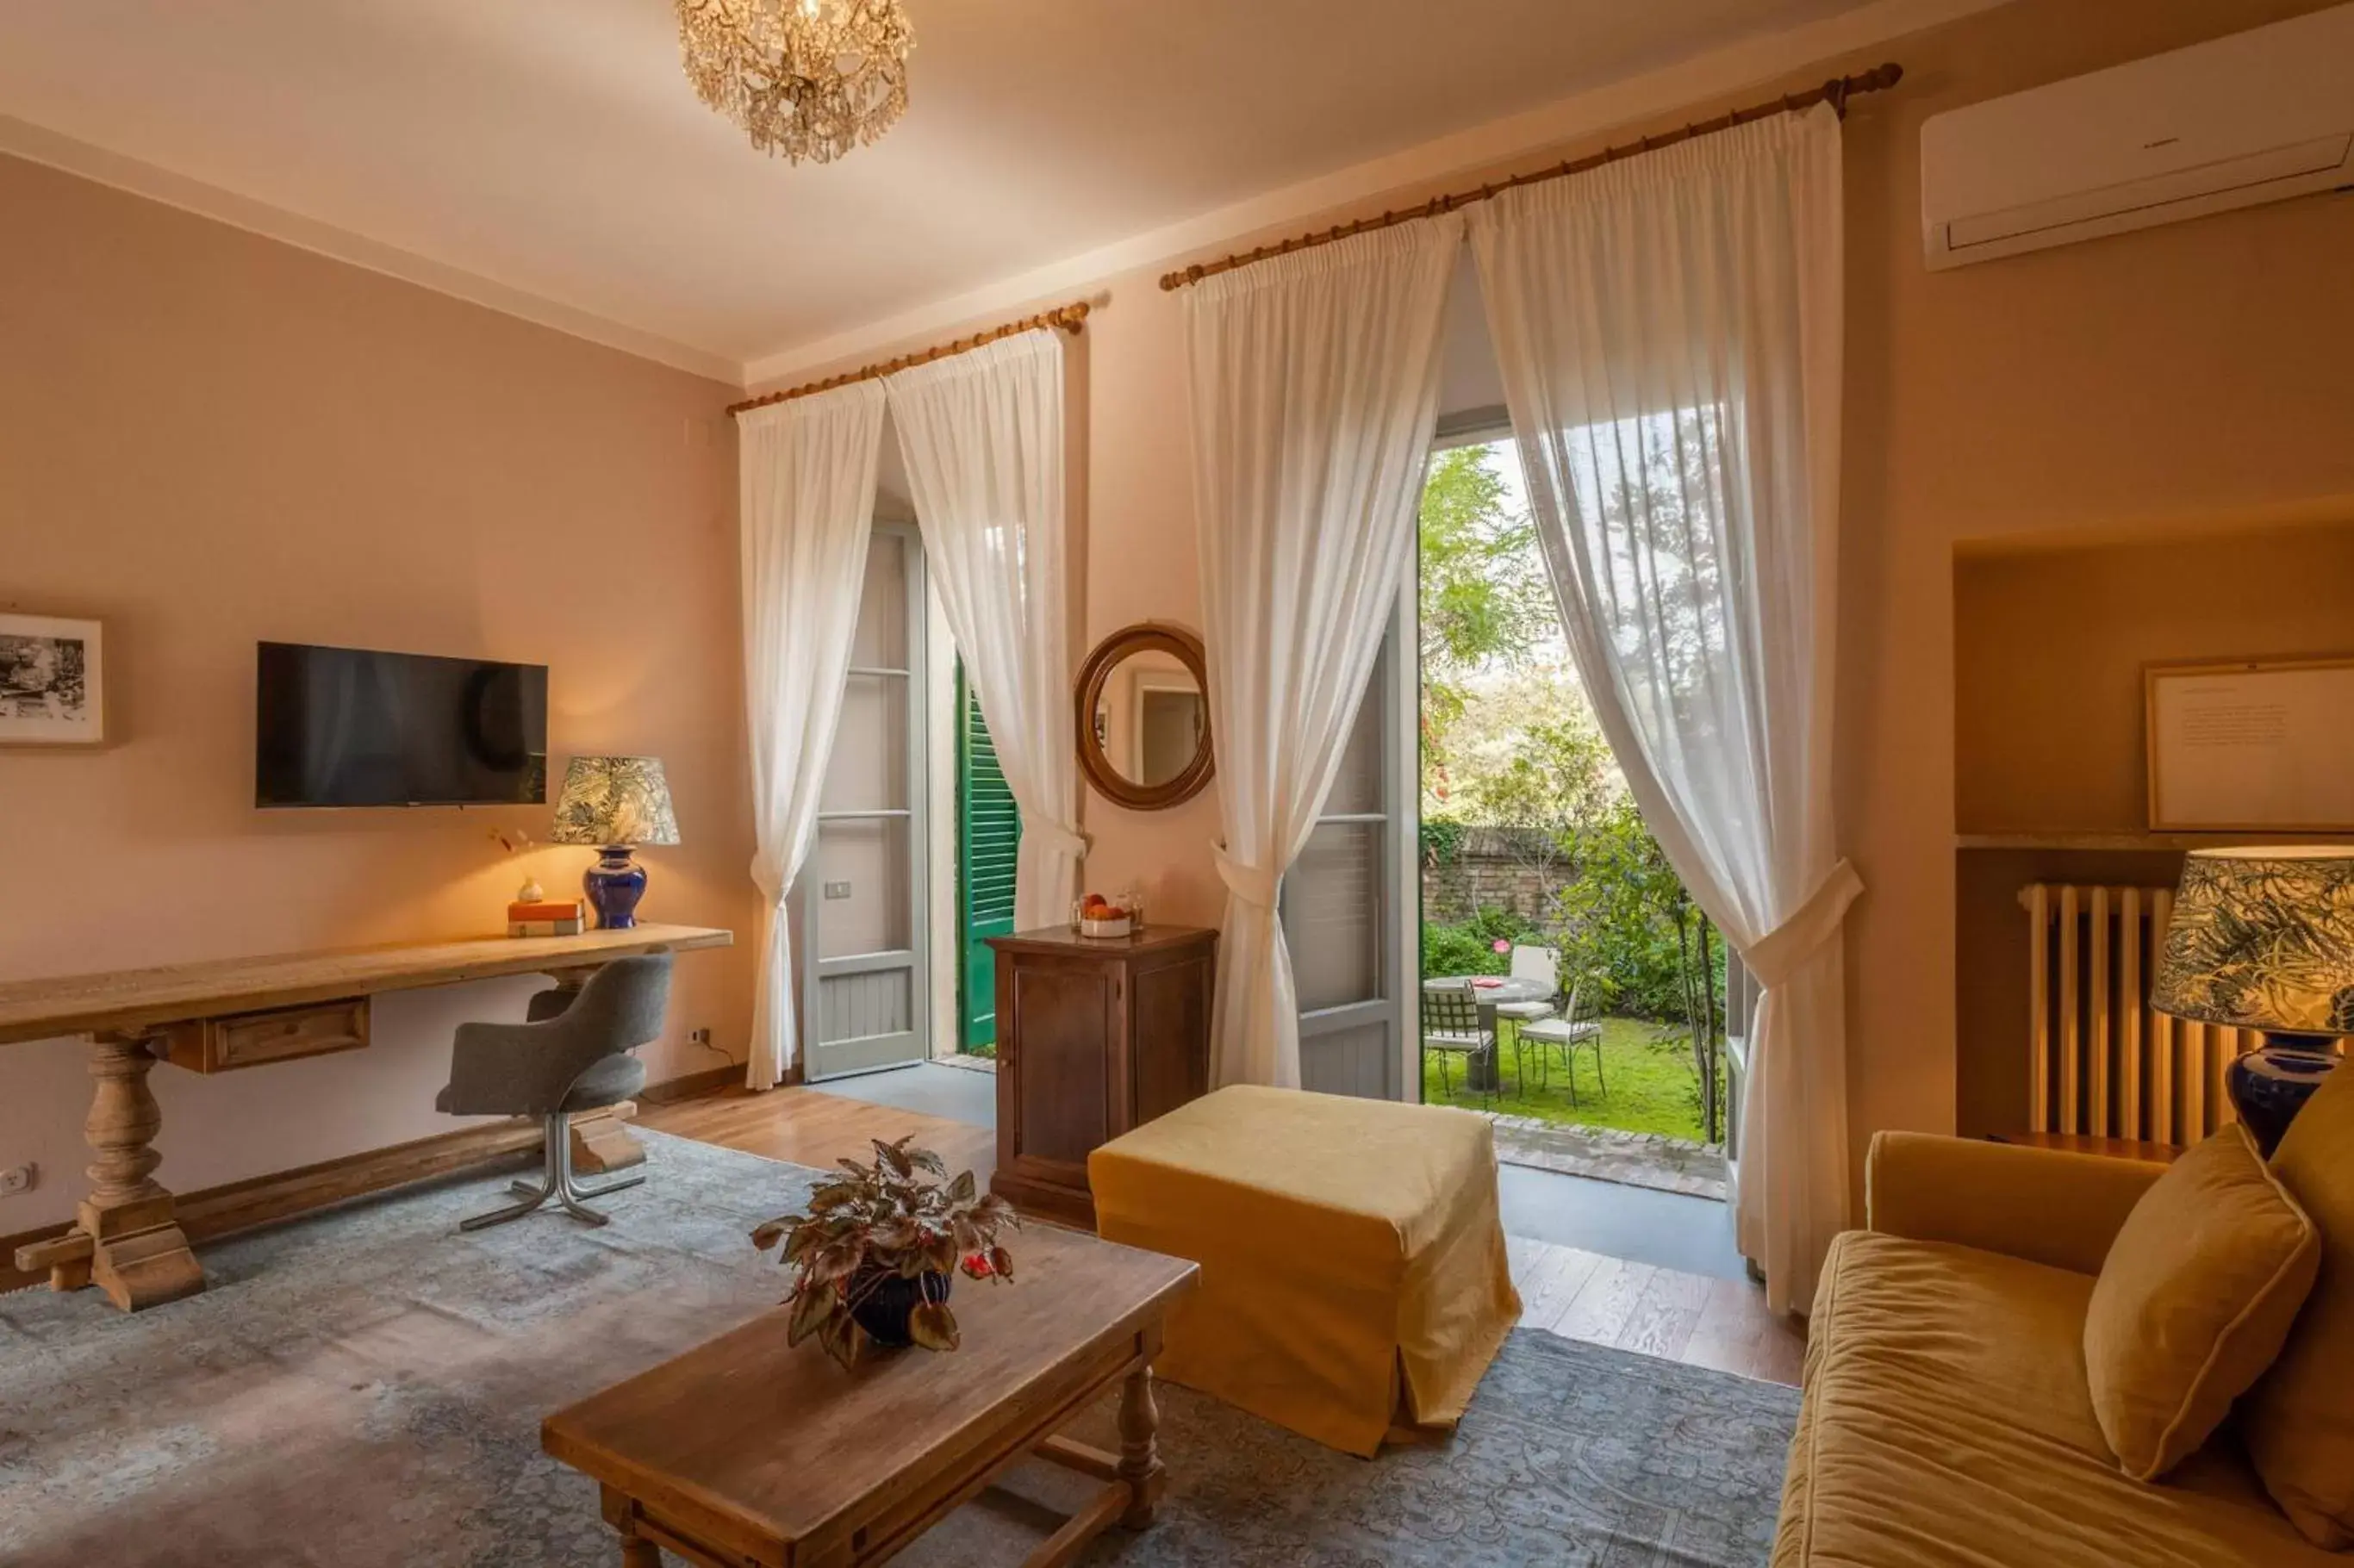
(1835, 92)
(1070, 318)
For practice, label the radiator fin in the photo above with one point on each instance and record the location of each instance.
(2101, 1061)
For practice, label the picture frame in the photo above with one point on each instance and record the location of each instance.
(52, 681)
(2250, 746)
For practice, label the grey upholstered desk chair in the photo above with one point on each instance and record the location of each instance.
(573, 1055)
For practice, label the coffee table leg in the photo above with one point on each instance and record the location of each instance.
(637, 1552)
(1140, 1452)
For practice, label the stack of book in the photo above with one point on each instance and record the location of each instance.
(548, 918)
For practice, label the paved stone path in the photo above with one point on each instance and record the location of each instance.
(1635, 1158)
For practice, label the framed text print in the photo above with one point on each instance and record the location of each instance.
(52, 681)
(2253, 747)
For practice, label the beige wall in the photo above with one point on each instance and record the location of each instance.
(2195, 372)
(210, 439)
(2050, 646)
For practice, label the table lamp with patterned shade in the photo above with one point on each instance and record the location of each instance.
(2264, 939)
(616, 804)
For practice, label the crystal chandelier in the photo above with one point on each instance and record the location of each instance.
(807, 78)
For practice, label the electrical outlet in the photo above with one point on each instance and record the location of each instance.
(18, 1178)
(837, 890)
(699, 1037)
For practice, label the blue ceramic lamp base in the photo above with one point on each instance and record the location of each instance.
(614, 884)
(2270, 1083)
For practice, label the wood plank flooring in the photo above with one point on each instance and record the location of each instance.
(809, 1127)
(1717, 1323)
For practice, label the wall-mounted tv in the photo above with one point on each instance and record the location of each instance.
(345, 726)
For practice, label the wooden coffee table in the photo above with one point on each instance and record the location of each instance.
(744, 1452)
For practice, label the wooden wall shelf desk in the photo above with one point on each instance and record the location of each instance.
(1094, 1037)
(220, 1016)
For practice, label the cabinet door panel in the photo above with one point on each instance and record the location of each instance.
(1064, 1018)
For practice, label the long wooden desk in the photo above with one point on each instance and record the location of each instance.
(228, 1014)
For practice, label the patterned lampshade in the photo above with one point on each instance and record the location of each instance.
(2263, 939)
(614, 801)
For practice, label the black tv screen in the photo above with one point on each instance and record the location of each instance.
(344, 726)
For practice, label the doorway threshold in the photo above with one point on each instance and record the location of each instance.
(1649, 1160)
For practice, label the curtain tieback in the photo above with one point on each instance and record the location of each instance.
(1248, 883)
(1057, 837)
(1784, 950)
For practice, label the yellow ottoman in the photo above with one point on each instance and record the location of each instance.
(1353, 1276)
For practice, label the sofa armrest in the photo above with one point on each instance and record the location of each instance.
(2043, 1205)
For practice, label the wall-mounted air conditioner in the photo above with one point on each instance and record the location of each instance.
(2259, 116)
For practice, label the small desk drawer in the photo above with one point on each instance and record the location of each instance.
(256, 1039)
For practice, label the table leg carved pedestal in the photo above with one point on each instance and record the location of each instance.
(126, 1238)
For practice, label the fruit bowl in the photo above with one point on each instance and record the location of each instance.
(1099, 917)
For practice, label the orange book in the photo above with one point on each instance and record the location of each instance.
(547, 910)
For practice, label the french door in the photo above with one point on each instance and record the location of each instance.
(1350, 904)
(864, 894)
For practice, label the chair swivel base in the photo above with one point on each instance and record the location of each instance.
(555, 1182)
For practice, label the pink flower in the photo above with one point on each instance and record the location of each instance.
(1503, 946)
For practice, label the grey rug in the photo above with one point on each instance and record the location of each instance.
(364, 1387)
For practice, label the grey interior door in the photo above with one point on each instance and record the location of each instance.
(864, 894)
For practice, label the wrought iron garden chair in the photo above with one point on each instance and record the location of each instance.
(1580, 1025)
(1451, 1026)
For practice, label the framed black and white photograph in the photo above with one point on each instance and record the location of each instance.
(52, 682)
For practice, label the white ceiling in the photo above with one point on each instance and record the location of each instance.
(552, 146)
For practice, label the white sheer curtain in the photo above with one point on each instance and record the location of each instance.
(1314, 386)
(982, 435)
(1669, 329)
(808, 510)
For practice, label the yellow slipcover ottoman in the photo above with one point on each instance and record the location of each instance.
(1353, 1276)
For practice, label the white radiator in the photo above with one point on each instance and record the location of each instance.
(2101, 1061)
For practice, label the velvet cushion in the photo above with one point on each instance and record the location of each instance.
(2298, 1423)
(2194, 1300)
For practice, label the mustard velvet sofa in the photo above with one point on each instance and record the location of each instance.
(1947, 1418)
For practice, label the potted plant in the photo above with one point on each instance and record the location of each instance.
(879, 1247)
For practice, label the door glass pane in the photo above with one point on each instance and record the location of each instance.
(1332, 915)
(868, 770)
(1357, 788)
(882, 640)
(872, 913)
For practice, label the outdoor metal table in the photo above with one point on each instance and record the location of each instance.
(1481, 1070)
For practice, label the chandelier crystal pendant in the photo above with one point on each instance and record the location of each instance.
(805, 79)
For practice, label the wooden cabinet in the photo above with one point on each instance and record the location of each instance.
(1093, 1038)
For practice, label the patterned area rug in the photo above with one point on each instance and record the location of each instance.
(364, 1388)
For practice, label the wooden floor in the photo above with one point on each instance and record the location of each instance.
(808, 1127)
(1652, 1311)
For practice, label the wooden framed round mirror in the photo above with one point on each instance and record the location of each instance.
(1142, 708)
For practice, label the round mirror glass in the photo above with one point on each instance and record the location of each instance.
(1150, 719)
(1144, 719)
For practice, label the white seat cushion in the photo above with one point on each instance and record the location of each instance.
(1562, 1031)
(1524, 1010)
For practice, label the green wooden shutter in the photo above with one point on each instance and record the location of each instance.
(989, 832)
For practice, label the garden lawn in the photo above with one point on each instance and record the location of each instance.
(1652, 1085)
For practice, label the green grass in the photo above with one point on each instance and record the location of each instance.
(1652, 1085)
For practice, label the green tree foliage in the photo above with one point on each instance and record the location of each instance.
(1484, 598)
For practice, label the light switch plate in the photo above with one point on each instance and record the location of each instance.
(837, 890)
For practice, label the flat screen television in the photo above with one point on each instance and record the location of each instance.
(346, 726)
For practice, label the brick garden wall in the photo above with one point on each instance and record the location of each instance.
(1485, 871)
